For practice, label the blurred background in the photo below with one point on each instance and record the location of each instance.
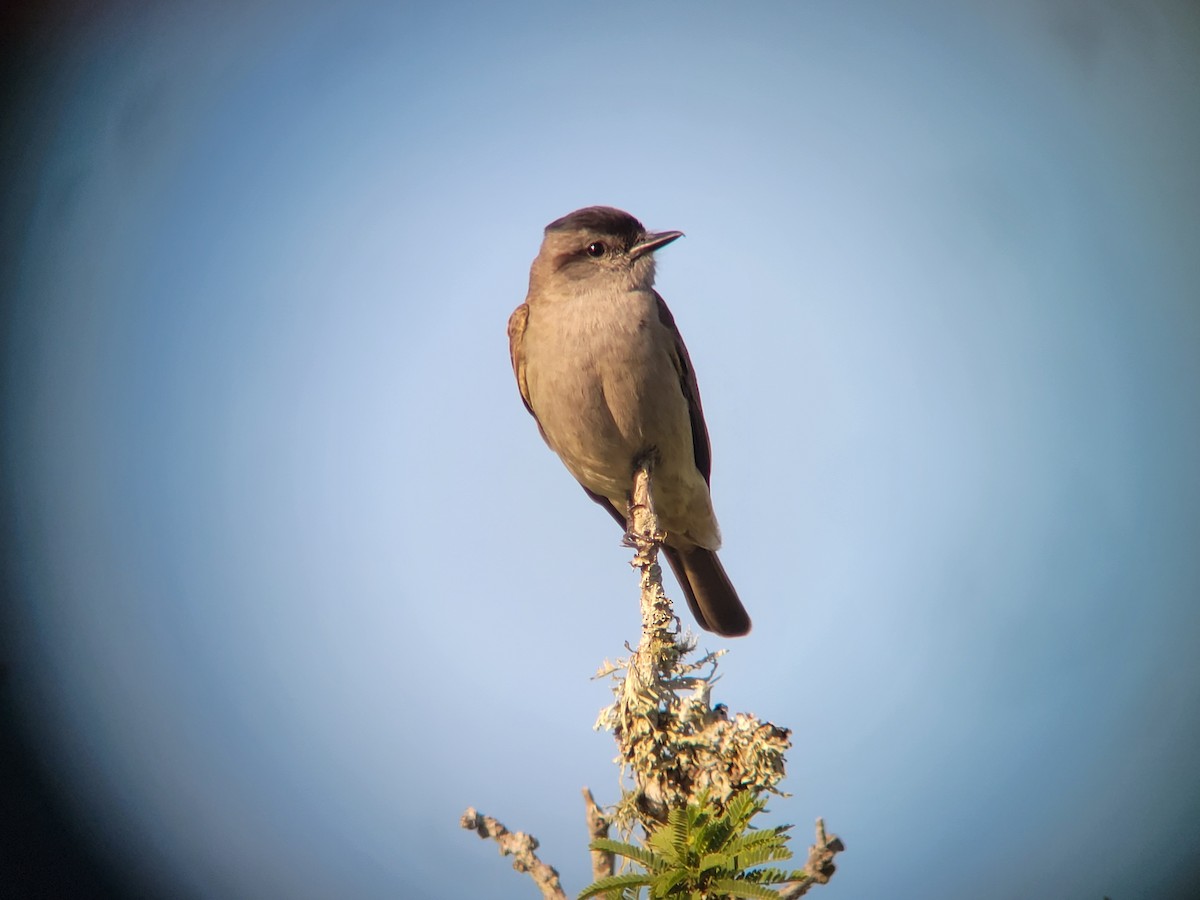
(290, 579)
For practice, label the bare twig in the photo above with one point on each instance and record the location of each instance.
(820, 865)
(520, 847)
(597, 822)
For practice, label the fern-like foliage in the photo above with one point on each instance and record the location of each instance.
(702, 852)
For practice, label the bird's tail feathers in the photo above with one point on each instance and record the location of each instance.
(709, 592)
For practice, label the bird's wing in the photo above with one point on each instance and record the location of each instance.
(516, 351)
(691, 391)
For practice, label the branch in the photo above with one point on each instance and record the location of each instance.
(657, 614)
(672, 740)
(820, 865)
(678, 746)
(520, 847)
(602, 860)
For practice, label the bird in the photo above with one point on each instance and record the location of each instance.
(601, 366)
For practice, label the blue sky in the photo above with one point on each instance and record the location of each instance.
(298, 581)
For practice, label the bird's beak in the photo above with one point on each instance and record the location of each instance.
(651, 241)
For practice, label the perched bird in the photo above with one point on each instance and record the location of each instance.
(603, 369)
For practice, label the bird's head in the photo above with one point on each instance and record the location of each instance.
(602, 248)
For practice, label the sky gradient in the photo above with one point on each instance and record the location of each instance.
(293, 580)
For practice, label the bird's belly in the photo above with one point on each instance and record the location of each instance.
(606, 394)
(602, 421)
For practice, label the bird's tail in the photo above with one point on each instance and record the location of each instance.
(709, 592)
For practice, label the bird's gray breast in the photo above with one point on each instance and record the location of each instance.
(603, 384)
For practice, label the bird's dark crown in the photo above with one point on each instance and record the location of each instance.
(603, 220)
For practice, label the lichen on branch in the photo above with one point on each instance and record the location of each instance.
(672, 741)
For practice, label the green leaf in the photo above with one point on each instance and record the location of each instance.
(742, 807)
(711, 861)
(680, 824)
(662, 845)
(743, 890)
(647, 858)
(771, 875)
(769, 837)
(671, 840)
(756, 856)
(615, 882)
(666, 883)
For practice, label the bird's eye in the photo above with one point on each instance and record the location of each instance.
(596, 249)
